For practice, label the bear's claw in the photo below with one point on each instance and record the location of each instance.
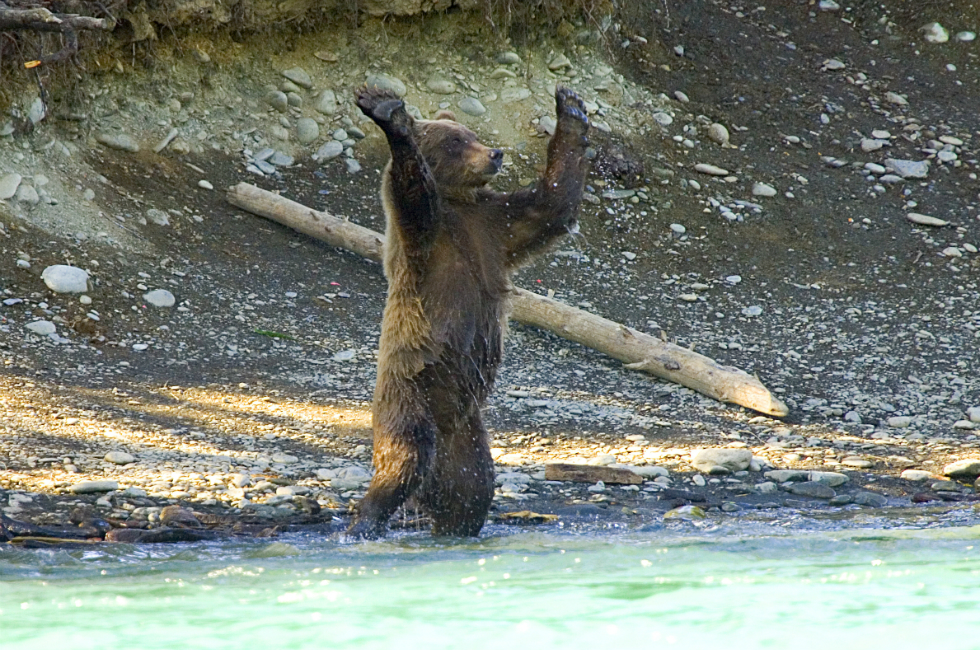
(377, 103)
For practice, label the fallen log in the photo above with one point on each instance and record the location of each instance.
(637, 350)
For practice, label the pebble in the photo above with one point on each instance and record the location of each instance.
(753, 311)
(895, 98)
(120, 141)
(205, 185)
(355, 133)
(710, 170)
(945, 486)
(934, 33)
(871, 144)
(119, 458)
(62, 278)
(899, 421)
(285, 459)
(875, 168)
(833, 64)
(279, 159)
(685, 513)
(352, 166)
(159, 217)
(678, 229)
(917, 475)
(787, 475)
(9, 184)
(440, 85)
(560, 62)
(841, 500)
(629, 255)
(908, 168)
(663, 119)
(298, 76)
(472, 106)
(326, 103)
(42, 327)
(734, 460)
(967, 468)
(27, 194)
(965, 37)
(307, 130)
(386, 82)
(925, 220)
(973, 413)
(814, 489)
(833, 479)
(294, 100)
(160, 298)
(278, 100)
(870, 499)
(718, 133)
(858, 463)
(507, 58)
(548, 124)
(761, 189)
(91, 487)
(828, 5)
(329, 150)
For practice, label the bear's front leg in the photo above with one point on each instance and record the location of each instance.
(387, 110)
(565, 174)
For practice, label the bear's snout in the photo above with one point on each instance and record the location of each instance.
(497, 159)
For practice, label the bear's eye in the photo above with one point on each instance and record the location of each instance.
(457, 141)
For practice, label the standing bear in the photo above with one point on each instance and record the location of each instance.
(452, 243)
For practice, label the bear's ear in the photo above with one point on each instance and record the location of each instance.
(445, 115)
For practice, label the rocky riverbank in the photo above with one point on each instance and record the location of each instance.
(800, 202)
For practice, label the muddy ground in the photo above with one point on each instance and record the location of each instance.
(231, 401)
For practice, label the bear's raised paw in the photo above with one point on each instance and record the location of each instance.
(570, 108)
(383, 106)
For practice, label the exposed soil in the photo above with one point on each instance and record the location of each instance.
(863, 316)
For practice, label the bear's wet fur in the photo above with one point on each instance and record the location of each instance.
(452, 244)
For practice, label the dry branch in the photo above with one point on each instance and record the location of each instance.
(637, 350)
(39, 19)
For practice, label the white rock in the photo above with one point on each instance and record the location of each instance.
(718, 133)
(871, 144)
(284, 459)
(917, 475)
(925, 220)
(62, 278)
(832, 64)
(9, 184)
(875, 168)
(710, 170)
(952, 251)
(89, 487)
(119, 458)
(895, 98)
(965, 37)
(326, 103)
(974, 413)
(964, 424)
(159, 217)
(629, 255)
(648, 471)
(329, 150)
(663, 119)
(934, 33)
(908, 168)
(42, 327)
(205, 185)
(681, 97)
(949, 139)
(966, 468)
(899, 421)
(761, 189)
(833, 479)
(160, 298)
(734, 460)
(828, 5)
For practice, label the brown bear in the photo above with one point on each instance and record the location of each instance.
(452, 243)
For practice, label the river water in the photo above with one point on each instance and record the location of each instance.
(684, 586)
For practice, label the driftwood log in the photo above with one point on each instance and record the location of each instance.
(39, 19)
(637, 350)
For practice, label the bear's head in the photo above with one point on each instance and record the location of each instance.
(456, 157)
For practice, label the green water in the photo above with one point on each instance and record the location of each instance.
(680, 587)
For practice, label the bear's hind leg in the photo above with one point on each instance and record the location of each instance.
(403, 455)
(458, 491)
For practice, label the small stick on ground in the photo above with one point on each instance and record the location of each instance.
(637, 350)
